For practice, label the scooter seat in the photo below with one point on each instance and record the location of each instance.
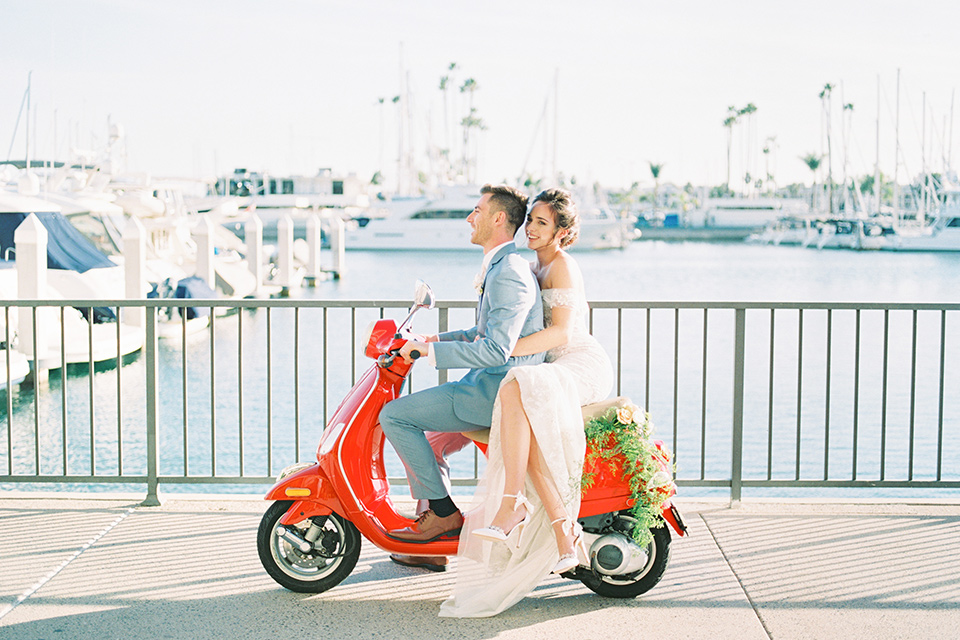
(589, 412)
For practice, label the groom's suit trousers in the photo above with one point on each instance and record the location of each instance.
(404, 422)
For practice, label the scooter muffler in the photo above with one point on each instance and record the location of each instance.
(294, 539)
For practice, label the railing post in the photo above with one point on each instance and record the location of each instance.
(443, 324)
(338, 247)
(285, 269)
(134, 267)
(30, 239)
(314, 270)
(153, 401)
(736, 463)
(253, 237)
(203, 236)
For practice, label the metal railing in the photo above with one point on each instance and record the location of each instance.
(748, 395)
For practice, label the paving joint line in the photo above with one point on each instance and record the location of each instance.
(63, 565)
(736, 575)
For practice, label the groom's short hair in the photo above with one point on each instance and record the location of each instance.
(511, 201)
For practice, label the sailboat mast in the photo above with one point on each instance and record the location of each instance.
(896, 163)
(27, 158)
(950, 139)
(401, 151)
(923, 162)
(876, 165)
(556, 120)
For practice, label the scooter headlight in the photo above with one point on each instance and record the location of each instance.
(365, 336)
(378, 337)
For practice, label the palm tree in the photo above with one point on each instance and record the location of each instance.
(469, 87)
(747, 111)
(733, 115)
(768, 148)
(444, 84)
(380, 101)
(812, 161)
(825, 100)
(846, 127)
(655, 169)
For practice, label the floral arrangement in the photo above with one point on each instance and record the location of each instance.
(621, 440)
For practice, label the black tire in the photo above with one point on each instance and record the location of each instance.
(658, 555)
(315, 571)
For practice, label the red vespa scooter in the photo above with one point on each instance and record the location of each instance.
(309, 538)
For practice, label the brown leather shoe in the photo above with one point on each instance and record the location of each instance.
(429, 526)
(430, 563)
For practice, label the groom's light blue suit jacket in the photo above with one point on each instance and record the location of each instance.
(510, 308)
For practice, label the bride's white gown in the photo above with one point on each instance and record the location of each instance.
(491, 576)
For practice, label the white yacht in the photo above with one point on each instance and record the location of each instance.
(937, 232)
(788, 231)
(75, 270)
(745, 213)
(12, 362)
(19, 367)
(756, 219)
(440, 223)
(942, 233)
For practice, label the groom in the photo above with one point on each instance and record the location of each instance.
(510, 307)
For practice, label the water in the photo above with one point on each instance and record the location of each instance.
(646, 271)
(681, 271)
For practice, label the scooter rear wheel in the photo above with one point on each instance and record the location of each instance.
(631, 586)
(334, 554)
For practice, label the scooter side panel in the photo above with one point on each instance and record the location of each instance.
(355, 463)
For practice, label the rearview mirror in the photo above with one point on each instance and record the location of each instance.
(423, 297)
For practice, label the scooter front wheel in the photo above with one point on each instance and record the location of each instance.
(310, 556)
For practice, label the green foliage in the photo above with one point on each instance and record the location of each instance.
(624, 436)
(721, 191)
(812, 161)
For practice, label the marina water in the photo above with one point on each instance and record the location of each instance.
(644, 271)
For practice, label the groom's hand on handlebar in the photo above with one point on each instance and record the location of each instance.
(421, 348)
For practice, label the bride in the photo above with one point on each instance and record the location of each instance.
(529, 497)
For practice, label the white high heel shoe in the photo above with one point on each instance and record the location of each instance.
(569, 561)
(497, 534)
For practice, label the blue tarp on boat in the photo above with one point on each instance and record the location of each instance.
(195, 287)
(67, 248)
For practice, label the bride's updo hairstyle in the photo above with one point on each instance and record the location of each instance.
(564, 213)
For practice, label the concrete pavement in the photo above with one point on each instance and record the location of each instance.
(107, 568)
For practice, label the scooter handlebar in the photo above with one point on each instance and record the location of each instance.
(387, 359)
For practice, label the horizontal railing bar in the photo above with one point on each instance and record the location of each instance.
(254, 303)
(466, 482)
(72, 478)
(246, 303)
(876, 484)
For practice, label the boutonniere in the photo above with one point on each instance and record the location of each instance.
(478, 283)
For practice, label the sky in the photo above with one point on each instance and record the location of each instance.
(605, 88)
